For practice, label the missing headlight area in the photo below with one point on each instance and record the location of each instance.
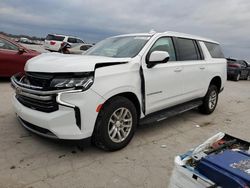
(55, 81)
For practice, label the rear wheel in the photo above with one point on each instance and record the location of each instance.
(116, 124)
(210, 100)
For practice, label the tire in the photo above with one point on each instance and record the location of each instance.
(210, 100)
(236, 77)
(109, 123)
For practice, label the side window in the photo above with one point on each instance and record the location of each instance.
(187, 50)
(72, 40)
(164, 44)
(214, 50)
(79, 41)
(7, 45)
(85, 47)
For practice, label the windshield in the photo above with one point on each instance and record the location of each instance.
(120, 47)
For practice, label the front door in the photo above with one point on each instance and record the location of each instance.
(163, 82)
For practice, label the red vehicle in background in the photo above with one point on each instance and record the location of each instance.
(13, 57)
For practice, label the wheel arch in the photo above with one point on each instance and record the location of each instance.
(217, 82)
(96, 131)
(132, 97)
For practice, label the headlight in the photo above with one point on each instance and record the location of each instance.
(78, 83)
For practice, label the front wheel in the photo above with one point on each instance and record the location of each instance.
(116, 124)
(210, 100)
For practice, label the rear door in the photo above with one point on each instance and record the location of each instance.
(72, 41)
(194, 75)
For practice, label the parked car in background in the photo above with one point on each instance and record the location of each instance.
(13, 56)
(79, 49)
(53, 42)
(118, 83)
(66, 48)
(25, 40)
(238, 69)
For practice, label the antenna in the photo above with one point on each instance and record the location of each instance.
(152, 31)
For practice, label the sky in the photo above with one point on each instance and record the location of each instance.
(226, 21)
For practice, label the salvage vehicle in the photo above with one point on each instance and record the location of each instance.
(53, 42)
(120, 82)
(25, 40)
(238, 70)
(13, 56)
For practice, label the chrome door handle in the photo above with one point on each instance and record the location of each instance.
(178, 70)
(202, 68)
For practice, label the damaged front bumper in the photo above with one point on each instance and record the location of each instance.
(45, 112)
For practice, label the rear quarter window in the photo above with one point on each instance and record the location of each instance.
(214, 50)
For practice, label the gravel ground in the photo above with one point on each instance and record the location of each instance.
(27, 160)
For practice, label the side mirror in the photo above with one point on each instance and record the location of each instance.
(21, 50)
(157, 57)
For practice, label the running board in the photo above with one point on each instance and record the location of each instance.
(169, 112)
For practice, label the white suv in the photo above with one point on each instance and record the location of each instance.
(120, 82)
(53, 41)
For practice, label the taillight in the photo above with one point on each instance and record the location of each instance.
(52, 42)
(234, 65)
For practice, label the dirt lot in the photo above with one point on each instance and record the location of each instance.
(27, 160)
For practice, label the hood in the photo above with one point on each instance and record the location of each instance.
(56, 62)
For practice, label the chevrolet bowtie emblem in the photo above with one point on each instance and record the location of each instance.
(18, 90)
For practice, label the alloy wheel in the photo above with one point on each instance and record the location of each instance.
(120, 124)
(212, 100)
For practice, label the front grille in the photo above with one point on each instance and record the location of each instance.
(49, 105)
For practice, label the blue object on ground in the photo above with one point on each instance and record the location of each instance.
(230, 169)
